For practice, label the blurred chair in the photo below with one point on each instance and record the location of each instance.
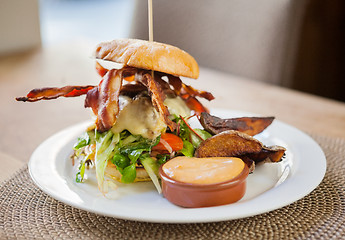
(248, 38)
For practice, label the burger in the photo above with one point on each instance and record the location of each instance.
(140, 109)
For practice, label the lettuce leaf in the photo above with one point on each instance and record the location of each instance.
(105, 145)
(196, 140)
(127, 153)
(80, 174)
(151, 168)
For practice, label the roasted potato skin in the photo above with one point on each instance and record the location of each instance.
(268, 154)
(228, 143)
(233, 143)
(248, 125)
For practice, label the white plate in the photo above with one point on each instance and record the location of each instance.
(270, 187)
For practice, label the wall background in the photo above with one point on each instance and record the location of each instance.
(320, 65)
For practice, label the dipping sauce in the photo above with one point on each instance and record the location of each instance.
(203, 182)
(203, 170)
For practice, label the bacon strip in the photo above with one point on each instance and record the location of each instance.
(104, 100)
(164, 86)
(197, 93)
(53, 93)
(194, 105)
(157, 97)
(189, 94)
(176, 83)
(91, 100)
(132, 90)
(181, 88)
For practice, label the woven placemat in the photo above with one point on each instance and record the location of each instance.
(27, 212)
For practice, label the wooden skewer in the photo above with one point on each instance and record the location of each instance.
(150, 13)
(150, 20)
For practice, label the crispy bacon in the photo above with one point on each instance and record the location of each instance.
(53, 93)
(164, 86)
(196, 93)
(189, 94)
(181, 88)
(194, 104)
(104, 100)
(132, 90)
(157, 97)
(91, 100)
(176, 83)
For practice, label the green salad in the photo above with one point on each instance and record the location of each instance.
(127, 152)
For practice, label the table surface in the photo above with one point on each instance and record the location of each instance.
(26, 125)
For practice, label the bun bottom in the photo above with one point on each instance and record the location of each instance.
(112, 172)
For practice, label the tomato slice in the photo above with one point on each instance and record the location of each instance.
(174, 142)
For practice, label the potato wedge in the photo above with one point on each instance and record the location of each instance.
(248, 125)
(249, 162)
(268, 154)
(228, 143)
(232, 143)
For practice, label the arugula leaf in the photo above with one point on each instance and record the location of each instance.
(156, 141)
(190, 139)
(185, 132)
(161, 159)
(82, 141)
(141, 144)
(188, 149)
(134, 146)
(124, 134)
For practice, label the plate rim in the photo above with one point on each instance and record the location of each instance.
(190, 219)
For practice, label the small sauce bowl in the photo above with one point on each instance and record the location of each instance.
(191, 195)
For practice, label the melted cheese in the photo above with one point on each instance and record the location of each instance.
(203, 170)
(177, 106)
(139, 117)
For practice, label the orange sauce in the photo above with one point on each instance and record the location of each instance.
(203, 170)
